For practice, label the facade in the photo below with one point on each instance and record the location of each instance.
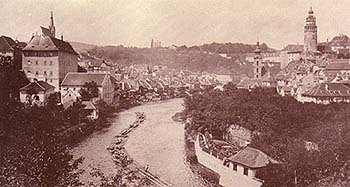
(310, 33)
(48, 59)
(73, 82)
(36, 93)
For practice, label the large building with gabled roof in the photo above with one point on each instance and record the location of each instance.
(49, 59)
(74, 81)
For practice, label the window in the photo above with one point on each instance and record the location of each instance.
(245, 171)
(74, 89)
(29, 62)
(235, 167)
(51, 73)
(36, 73)
(44, 72)
(45, 63)
(50, 63)
(36, 63)
(50, 80)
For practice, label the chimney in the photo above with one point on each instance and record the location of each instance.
(62, 37)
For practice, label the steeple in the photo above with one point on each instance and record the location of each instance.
(52, 26)
(311, 11)
(310, 32)
(257, 50)
(258, 64)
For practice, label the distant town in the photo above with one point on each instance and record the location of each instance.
(82, 86)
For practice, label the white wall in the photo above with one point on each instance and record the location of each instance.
(228, 177)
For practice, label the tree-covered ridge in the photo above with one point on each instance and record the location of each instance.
(229, 48)
(196, 58)
(284, 127)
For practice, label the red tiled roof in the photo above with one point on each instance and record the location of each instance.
(79, 79)
(252, 158)
(329, 90)
(37, 86)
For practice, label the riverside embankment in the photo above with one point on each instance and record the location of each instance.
(158, 142)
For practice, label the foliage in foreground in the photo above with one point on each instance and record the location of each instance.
(284, 126)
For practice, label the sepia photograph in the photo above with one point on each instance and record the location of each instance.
(174, 93)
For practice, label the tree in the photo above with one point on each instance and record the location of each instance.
(89, 91)
(32, 152)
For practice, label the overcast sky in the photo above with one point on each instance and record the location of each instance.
(189, 22)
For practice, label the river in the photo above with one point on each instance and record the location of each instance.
(158, 142)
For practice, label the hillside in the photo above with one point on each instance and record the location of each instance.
(203, 58)
(82, 47)
(233, 48)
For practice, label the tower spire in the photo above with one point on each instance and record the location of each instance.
(52, 26)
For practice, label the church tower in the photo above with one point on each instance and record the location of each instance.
(52, 28)
(310, 33)
(258, 65)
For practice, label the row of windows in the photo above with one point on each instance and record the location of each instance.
(37, 63)
(41, 53)
(44, 73)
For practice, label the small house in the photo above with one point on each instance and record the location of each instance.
(36, 93)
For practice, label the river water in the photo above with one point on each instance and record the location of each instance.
(158, 142)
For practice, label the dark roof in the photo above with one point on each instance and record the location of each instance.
(339, 64)
(6, 44)
(79, 79)
(329, 90)
(46, 31)
(293, 47)
(37, 86)
(252, 158)
(63, 46)
(47, 43)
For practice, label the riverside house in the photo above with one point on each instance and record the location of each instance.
(73, 82)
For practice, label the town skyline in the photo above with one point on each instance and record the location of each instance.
(136, 23)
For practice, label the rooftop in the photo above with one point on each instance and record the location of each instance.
(79, 79)
(88, 105)
(252, 158)
(329, 90)
(47, 43)
(37, 86)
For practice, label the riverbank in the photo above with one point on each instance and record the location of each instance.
(93, 147)
(159, 142)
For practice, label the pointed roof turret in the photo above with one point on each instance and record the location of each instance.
(52, 28)
(257, 50)
(311, 11)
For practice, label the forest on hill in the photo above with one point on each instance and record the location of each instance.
(204, 58)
